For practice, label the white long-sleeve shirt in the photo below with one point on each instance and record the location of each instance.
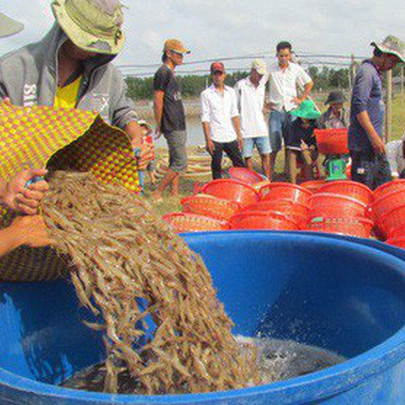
(395, 157)
(218, 109)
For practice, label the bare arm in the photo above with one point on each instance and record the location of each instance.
(29, 231)
(158, 110)
(307, 89)
(146, 152)
(208, 140)
(365, 122)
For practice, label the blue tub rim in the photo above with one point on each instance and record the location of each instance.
(327, 382)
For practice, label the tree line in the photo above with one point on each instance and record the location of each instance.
(325, 78)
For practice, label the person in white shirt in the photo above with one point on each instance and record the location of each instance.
(396, 158)
(284, 80)
(221, 121)
(251, 93)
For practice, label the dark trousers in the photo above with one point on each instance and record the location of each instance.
(370, 169)
(233, 152)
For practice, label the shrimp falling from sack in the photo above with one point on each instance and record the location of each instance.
(163, 326)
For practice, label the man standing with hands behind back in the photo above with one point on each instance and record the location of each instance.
(221, 121)
(169, 115)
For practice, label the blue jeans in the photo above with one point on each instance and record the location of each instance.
(262, 144)
(279, 123)
(370, 169)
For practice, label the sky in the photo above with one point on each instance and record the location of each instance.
(215, 29)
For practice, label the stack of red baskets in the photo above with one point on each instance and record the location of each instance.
(282, 206)
(341, 207)
(213, 206)
(388, 210)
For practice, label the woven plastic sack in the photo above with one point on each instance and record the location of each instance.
(59, 139)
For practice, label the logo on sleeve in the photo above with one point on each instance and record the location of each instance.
(30, 96)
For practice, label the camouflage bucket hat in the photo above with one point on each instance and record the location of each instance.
(8, 26)
(393, 46)
(92, 25)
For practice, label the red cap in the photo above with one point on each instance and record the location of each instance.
(217, 67)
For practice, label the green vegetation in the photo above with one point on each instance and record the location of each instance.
(191, 85)
(398, 117)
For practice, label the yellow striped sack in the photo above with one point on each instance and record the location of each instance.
(59, 139)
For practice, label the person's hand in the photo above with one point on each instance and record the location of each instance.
(210, 147)
(378, 146)
(23, 199)
(158, 133)
(146, 154)
(240, 143)
(304, 146)
(30, 231)
(7, 101)
(297, 101)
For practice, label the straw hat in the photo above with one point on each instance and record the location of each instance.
(92, 25)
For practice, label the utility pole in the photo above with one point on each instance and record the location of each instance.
(388, 116)
(402, 84)
(353, 68)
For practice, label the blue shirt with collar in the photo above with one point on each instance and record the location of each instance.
(367, 96)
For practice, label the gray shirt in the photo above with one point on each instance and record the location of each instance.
(28, 77)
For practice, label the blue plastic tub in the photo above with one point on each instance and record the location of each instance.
(346, 296)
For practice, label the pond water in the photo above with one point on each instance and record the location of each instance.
(195, 134)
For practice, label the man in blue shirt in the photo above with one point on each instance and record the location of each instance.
(367, 148)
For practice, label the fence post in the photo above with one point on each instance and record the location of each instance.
(388, 116)
(353, 68)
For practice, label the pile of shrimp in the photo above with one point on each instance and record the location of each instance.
(161, 320)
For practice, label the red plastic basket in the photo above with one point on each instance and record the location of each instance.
(233, 190)
(313, 185)
(388, 202)
(397, 232)
(355, 226)
(297, 212)
(245, 175)
(349, 188)
(270, 220)
(285, 191)
(392, 219)
(210, 206)
(332, 141)
(398, 242)
(388, 188)
(335, 205)
(186, 222)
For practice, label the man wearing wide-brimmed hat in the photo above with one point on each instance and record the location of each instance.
(367, 148)
(70, 67)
